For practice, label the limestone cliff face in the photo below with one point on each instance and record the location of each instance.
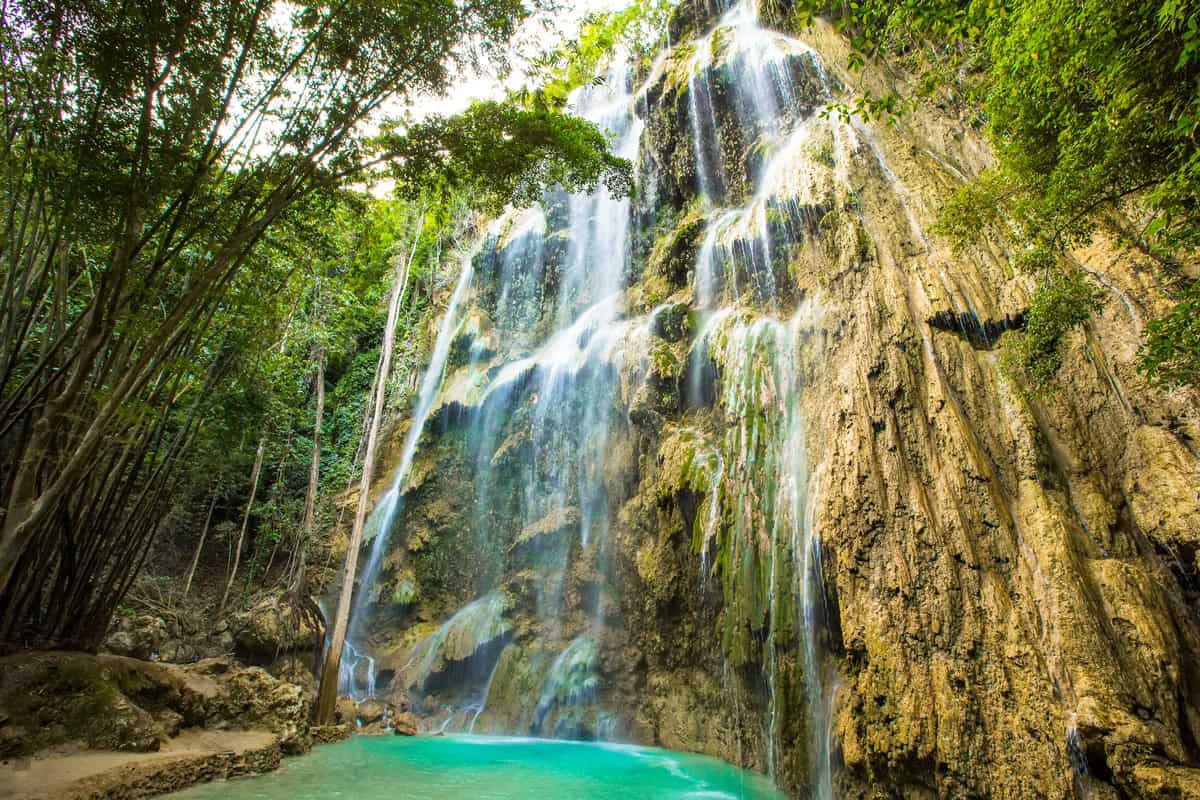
(758, 506)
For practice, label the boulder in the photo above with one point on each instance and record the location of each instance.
(371, 711)
(249, 697)
(327, 734)
(375, 729)
(99, 702)
(170, 721)
(295, 670)
(346, 711)
(271, 628)
(116, 723)
(138, 637)
(404, 724)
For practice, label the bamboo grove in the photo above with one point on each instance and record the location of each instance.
(166, 167)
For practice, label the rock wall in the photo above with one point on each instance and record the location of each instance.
(976, 590)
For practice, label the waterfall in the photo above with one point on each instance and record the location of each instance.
(568, 387)
(763, 476)
(569, 350)
(559, 372)
(356, 674)
(571, 681)
(472, 627)
(764, 487)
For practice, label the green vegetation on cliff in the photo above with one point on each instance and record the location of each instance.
(1092, 109)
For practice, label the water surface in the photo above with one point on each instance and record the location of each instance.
(490, 768)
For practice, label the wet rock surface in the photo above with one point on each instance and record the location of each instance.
(405, 724)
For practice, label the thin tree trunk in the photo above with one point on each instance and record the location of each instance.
(191, 573)
(368, 409)
(237, 552)
(314, 477)
(327, 694)
(287, 449)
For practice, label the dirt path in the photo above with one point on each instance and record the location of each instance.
(192, 757)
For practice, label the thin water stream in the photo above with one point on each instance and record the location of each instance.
(382, 518)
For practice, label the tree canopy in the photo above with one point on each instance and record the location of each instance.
(164, 166)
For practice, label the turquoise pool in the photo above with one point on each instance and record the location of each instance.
(490, 768)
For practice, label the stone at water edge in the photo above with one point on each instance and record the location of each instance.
(374, 717)
(346, 711)
(405, 724)
(327, 734)
(370, 711)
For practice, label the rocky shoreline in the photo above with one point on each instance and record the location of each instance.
(139, 776)
(76, 725)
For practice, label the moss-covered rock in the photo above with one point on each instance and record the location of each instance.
(271, 627)
(116, 703)
(514, 689)
(674, 255)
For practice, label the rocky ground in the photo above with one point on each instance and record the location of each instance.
(81, 725)
(192, 757)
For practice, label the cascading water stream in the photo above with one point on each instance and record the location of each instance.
(571, 680)
(353, 666)
(379, 523)
(757, 357)
(573, 380)
(554, 392)
(565, 390)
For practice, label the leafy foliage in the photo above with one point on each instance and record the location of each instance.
(577, 62)
(1170, 356)
(168, 269)
(1090, 105)
(1063, 301)
(500, 153)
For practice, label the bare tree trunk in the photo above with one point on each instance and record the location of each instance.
(237, 552)
(314, 477)
(327, 694)
(191, 573)
(287, 448)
